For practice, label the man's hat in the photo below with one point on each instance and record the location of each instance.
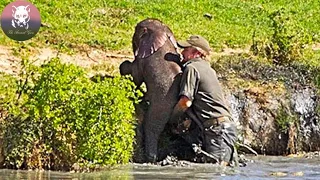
(196, 41)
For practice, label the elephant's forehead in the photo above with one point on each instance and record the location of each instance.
(150, 24)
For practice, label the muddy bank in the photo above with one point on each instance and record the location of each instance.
(276, 108)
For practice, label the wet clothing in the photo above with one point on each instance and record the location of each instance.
(219, 141)
(200, 84)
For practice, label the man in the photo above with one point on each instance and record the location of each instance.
(201, 98)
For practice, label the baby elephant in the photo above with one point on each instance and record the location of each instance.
(155, 64)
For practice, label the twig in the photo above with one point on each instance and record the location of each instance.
(198, 150)
(118, 56)
(100, 113)
(23, 86)
(249, 148)
(89, 56)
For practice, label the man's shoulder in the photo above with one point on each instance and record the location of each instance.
(198, 64)
(193, 62)
(189, 67)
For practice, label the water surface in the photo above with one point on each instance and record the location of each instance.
(261, 167)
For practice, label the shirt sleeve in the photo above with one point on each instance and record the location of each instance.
(189, 82)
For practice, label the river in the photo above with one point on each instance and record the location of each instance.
(259, 167)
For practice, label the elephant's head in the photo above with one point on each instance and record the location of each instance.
(150, 35)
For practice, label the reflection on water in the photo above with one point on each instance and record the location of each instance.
(263, 167)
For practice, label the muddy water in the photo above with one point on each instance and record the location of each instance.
(261, 167)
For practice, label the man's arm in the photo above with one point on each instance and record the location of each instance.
(188, 86)
(183, 104)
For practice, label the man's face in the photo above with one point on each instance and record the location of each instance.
(188, 53)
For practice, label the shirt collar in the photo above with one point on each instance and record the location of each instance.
(191, 61)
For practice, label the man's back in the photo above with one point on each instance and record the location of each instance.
(208, 100)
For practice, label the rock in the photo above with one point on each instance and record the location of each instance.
(45, 25)
(300, 173)
(173, 161)
(207, 15)
(276, 111)
(295, 155)
(243, 161)
(278, 174)
(75, 167)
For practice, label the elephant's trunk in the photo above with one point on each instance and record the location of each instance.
(126, 68)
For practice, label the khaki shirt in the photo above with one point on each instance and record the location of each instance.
(200, 84)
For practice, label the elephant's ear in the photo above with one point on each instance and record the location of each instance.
(149, 43)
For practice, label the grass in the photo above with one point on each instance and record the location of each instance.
(110, 24)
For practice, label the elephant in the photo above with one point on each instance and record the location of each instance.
(156, 63)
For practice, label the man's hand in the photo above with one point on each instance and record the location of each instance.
(182, 127)
(183, 104)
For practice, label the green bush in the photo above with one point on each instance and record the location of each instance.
(288, 40)
(317, 79)
(284, 119)
(8, 88)
(65, 118)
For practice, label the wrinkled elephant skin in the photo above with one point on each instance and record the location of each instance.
(155, 64)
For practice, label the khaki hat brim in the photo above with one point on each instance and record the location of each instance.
(183, 44)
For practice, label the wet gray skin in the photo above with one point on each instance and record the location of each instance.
(260, 167)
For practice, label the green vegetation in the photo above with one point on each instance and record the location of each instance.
(54, 117)
(288, 41)
(284, 119)
(110, 24)
(62, 118)
(8, 87)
